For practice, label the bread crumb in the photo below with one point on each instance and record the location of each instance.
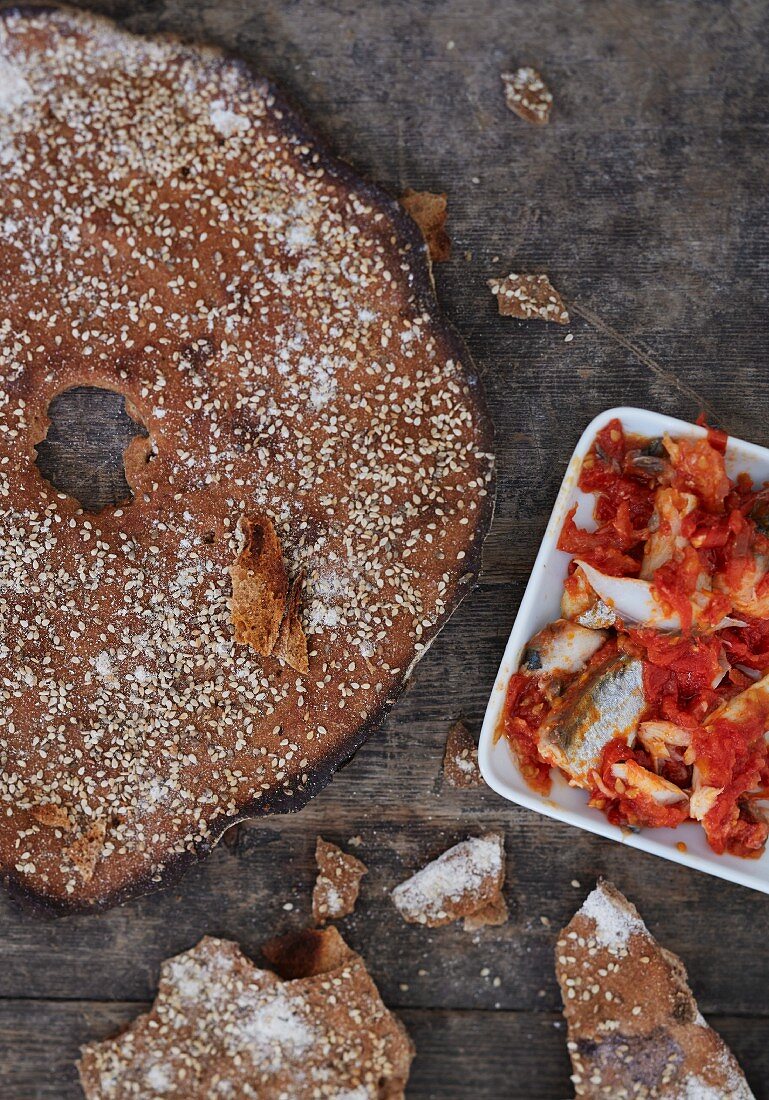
(265, 608)
(529, 297)
(259, 585)
(291, 644)
(85, 852)
(52, 816)
(527, 95)
(338, 882)
(429, 210)
(465, 882)
(460, 758)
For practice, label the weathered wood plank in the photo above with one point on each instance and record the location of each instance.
(242, 892)
(483, 1055)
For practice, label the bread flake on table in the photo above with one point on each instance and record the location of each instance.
(529, 298)
(338, 883)
(465, 883)
(527, 95)
(429, 211)
(460, 758)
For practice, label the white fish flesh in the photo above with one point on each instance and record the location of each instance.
(600, 705)
(631, 598)
(658, 737)
(636, 778)
(561, 648)
(736, 709)
(633, 601)
(670, 508)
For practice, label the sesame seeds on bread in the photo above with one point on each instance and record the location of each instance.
(171, 231)
(337, 886)
(634, 1029)
(222, 1027)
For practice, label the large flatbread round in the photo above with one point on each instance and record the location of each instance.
(171, 232)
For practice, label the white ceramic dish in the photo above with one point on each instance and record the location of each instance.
(540, 605)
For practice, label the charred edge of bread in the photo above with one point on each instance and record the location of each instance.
(307, 953)
(407, 237)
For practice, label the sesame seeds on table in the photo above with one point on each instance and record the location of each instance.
(168, 231)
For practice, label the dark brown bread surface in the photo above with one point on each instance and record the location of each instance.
(307, 952)
(171, 231)
(634, 1029)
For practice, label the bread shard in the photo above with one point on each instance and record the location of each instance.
(222, 1027)
(465, 882)
(633, 1023)
(169, 230)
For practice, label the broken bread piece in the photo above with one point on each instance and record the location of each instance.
(265, 607)
(338, 882)
(527, 95)
(634, 1028)
(465, 882)
(460, 758)
(530, 298)
(428, 209)
(291, 644)
(220, 1026)
(259, 585)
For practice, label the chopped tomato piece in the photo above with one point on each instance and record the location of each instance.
(700, 469)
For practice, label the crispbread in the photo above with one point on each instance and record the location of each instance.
(633, 1024)
(170, 230)
(460, 758)
(222, 1027)
(529, 297)
(464, 882)
(338, 883)
(527, 95)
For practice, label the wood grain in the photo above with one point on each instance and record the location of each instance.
(459, 1054)
(645, 201)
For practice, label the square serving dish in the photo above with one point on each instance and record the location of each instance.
(540, 605)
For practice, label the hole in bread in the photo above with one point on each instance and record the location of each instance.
(84, 451)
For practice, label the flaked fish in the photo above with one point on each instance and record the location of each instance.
(603, 704)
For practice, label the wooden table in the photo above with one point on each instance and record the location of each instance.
(645, 200)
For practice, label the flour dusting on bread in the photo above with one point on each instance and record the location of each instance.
(220, 1026)
(464, 882)
(634, 1029)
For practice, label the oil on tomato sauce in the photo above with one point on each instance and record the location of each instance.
(651, 690)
